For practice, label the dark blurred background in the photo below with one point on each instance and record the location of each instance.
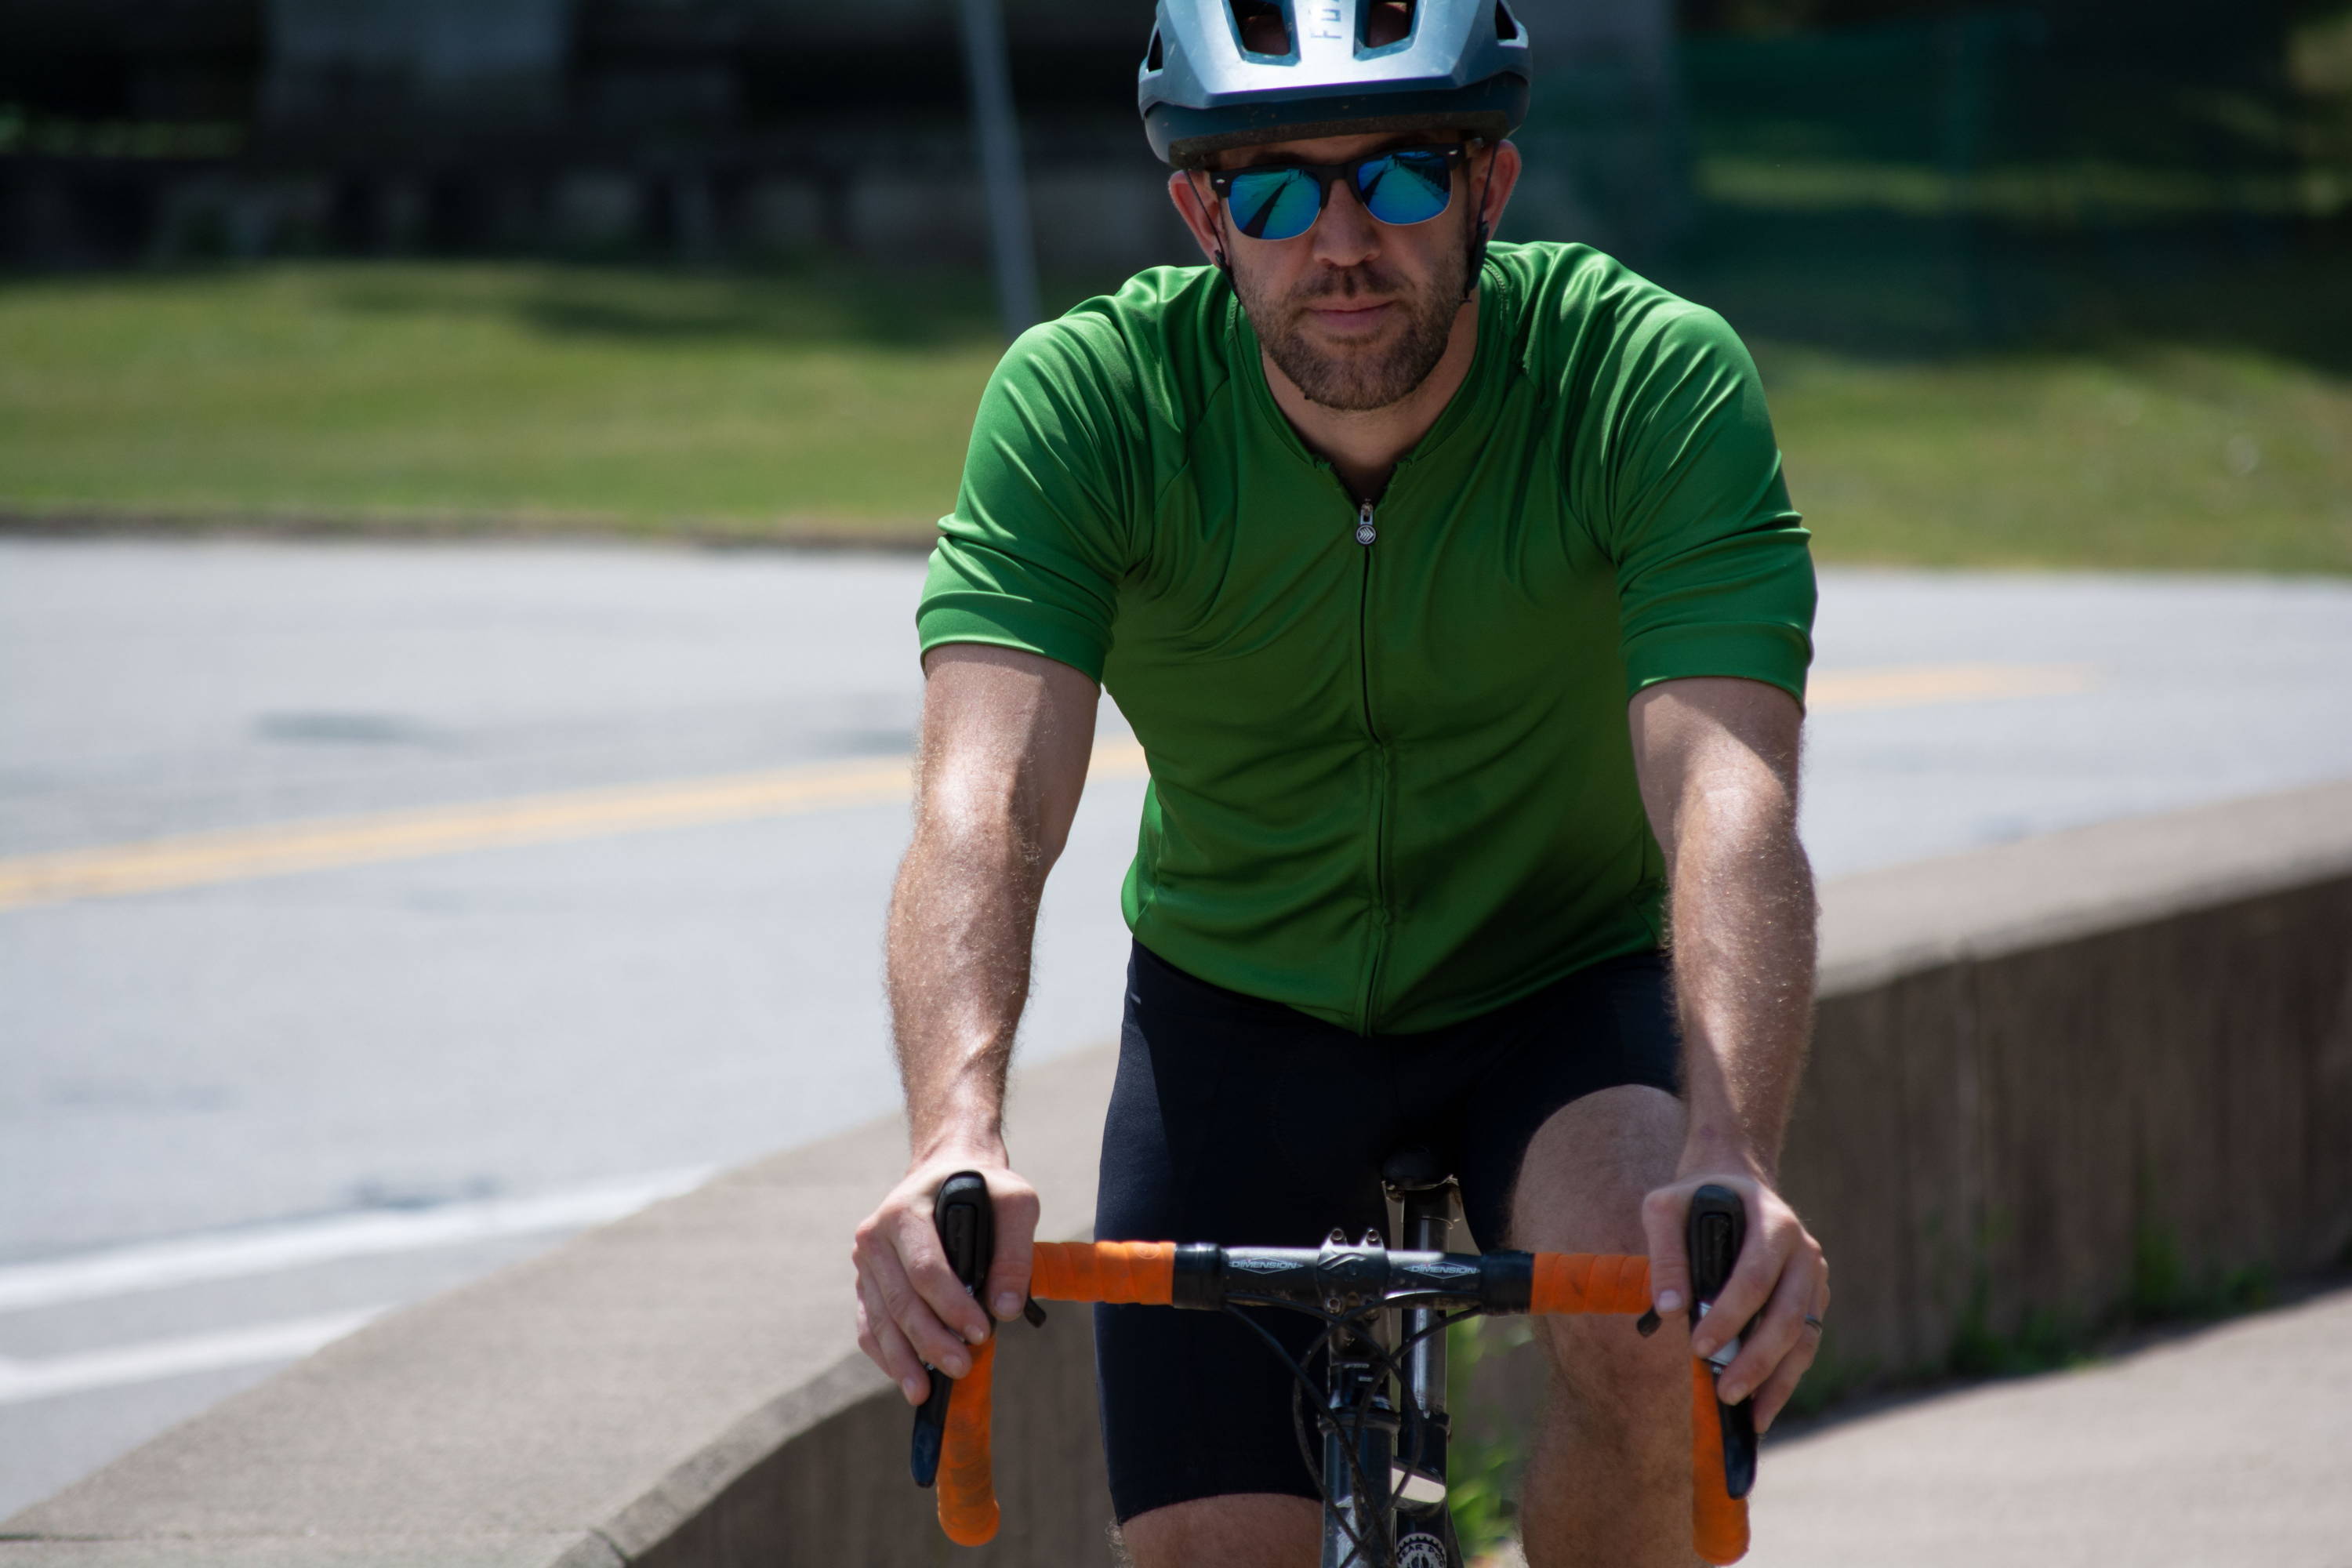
(2003, 152)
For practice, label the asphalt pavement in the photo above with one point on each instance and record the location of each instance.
(505, 889)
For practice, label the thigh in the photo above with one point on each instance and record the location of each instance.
(1604, 1034)
(1564, 1140)
(1587, 1169)
(1237, 1121)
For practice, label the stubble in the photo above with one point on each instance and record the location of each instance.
(1358, 378)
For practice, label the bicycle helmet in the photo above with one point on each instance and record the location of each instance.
(1232, 73)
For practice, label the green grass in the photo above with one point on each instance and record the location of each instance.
(406, 394)
(2217, 458)
(639, 399)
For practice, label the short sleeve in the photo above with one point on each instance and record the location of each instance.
(1032, 557)
(1715, 573)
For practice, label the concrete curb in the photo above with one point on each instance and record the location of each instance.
(2044, 891)
(572, 1412)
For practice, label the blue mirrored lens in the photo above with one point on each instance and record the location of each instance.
(1275, 203)
(1405, 187)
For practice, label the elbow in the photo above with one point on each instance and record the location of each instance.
(998, 829)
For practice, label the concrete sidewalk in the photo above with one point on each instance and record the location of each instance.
(2230, 1447)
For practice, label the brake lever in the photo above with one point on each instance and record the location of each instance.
(967, 1227)
(1717, 1229)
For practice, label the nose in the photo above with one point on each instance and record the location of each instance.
(1345, 233)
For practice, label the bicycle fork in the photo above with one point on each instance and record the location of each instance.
(1359, 1445)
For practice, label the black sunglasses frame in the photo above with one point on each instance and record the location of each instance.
(1457, 154)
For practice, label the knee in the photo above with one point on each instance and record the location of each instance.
(1255, 1530)
(1606, 1374)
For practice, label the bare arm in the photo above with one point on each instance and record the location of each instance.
(1718, 760)
(1006, 736)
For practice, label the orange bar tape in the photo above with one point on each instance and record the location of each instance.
(1590, 1282)
(1139, 1272)
(1718, 1519)
(967, 1484)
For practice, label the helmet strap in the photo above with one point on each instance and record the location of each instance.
(1479, 234)
(1223, 264)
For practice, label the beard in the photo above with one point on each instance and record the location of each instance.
(1357, 378)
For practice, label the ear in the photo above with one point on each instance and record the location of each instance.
(1199, 213)
(1497, 182)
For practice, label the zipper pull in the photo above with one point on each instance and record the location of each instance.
(1365, 532)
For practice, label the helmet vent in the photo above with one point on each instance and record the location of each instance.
(1262, 27)
(1154, 57)
(1387, 22)
(1507, 27)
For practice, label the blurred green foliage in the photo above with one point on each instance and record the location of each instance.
(22, 131)
(1487, 1453)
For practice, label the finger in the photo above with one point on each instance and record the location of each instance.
(879, 1338)
(1776, 1331)
(1781, 1386)
(1016, 1236)
(933, 1340)
(925, 1265)
(1662, 1214)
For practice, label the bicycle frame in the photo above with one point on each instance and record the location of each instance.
(1422, 1524)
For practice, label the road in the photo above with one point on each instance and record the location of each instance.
(503, 889)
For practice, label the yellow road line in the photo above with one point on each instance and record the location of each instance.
(197, 858)
(278, 849)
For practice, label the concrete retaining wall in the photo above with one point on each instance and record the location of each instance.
(2045, 1075)
(2099, 1069)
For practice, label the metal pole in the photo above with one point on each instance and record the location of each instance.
(999, 165)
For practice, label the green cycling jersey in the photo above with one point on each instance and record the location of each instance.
(1392, 779)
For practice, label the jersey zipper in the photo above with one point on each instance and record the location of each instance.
(1367, 533)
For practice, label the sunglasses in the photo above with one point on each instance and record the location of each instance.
(1281, 201)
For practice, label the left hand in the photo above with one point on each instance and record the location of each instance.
(1781, 1280)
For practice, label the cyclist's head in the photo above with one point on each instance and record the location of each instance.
(1352, 282)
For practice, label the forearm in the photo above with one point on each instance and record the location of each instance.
(1718, 760)
(1742, 914)
(962, 919)
(1004, 758)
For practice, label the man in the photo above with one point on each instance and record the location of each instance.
(1456, 600)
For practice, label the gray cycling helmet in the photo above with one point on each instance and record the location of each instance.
(1461, 65)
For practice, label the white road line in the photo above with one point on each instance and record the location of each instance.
(224, 1255)
(151, 1359)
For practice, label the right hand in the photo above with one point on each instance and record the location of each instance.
(911, 1309)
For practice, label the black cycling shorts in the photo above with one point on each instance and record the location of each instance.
(1249, 1123)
